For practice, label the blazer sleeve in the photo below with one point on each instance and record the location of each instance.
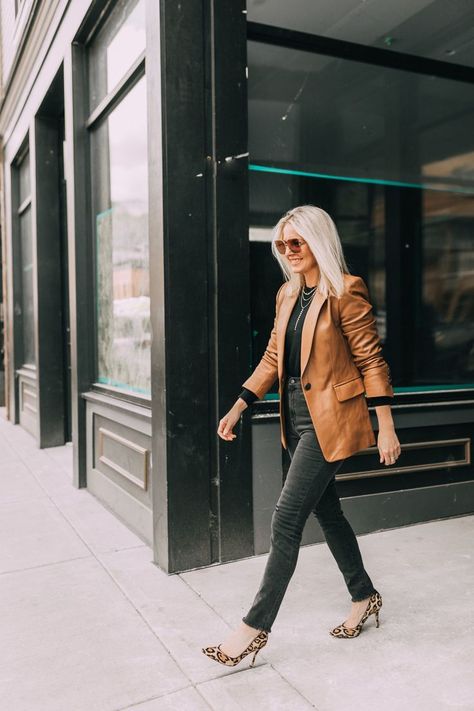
(359, 327)
(248, 396)
(266, 371)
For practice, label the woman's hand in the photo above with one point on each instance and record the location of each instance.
(228, 422)
(388, 444)
(387, 441)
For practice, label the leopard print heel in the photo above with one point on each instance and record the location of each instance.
(255, 646)
(373, 608)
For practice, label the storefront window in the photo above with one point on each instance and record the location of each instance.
(119, 44)
(26, 261)
(120, 207)
(417, 28)
(445, 315)
(345, 135)
(359, 212)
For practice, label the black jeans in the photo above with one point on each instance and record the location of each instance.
(309, 486)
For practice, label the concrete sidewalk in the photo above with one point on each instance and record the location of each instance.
(89, 623)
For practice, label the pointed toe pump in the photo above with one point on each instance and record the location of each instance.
(255, 646)
(373, 608)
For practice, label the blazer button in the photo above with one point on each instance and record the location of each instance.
(307, 386)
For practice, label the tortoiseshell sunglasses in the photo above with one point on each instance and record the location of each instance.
(294, 244)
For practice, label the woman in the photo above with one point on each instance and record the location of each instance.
(326, 353)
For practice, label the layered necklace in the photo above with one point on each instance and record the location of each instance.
(306, 296)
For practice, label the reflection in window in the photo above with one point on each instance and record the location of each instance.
(355, 139)
(26, 261)
(403, 27)
(119, 151)
(359, 212)
(332, 117)
(445, 319)
(24, 179)
(27, 315)
(117, 46)
(126, 46)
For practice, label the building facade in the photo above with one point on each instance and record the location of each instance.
(148, 148)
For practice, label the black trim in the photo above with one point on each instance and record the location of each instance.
(81, 291)
(15, 319)
(178, 181)
(119, 404)
(341, 49)
(230, 270)
(51, 296)
(24, 205)
(124, 395)
(109, 102)
(94, 20)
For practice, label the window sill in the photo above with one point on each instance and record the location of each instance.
(123, 404)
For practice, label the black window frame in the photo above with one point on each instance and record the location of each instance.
(397, 199)
(20, 205)
(94, 118)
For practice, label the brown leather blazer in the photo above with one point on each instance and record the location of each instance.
(341, 359)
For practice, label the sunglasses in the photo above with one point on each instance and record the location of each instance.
(294, 245)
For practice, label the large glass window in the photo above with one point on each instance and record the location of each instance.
(444, 350)
(120, 203)
(26, 260)
(427, 28)
(115, 51)
(337, 118)
(390, 155)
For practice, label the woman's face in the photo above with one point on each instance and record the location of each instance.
(303, 261)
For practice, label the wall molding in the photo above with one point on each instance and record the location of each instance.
(33, 48)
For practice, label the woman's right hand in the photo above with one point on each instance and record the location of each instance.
(228, 422)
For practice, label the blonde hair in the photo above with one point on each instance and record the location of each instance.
(317, 228)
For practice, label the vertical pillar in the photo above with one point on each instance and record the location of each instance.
(232, 287)
(199, 268)
(81, 303)
(50, 359)
(181, 377)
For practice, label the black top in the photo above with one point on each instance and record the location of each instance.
(292, 357)
(293, 333)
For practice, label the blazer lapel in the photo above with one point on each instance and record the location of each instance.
(309, 327)
(283, 316)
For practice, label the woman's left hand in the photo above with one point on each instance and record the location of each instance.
(389, 446)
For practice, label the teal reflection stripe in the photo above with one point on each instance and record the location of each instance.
(122, 386)
(104, 213)
(424, 388)
(375, 181)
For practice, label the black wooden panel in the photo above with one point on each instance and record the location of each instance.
(28, 404)
(49, 278)
(180, 288)
(200, 295)
(122, 453)
(81, 293)
(370, 504)
(231, 256)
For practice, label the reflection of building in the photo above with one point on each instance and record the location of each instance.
(130, 281)
(136, 303)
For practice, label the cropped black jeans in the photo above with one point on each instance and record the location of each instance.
(309, 486)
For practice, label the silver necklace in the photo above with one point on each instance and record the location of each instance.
(308, 296)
